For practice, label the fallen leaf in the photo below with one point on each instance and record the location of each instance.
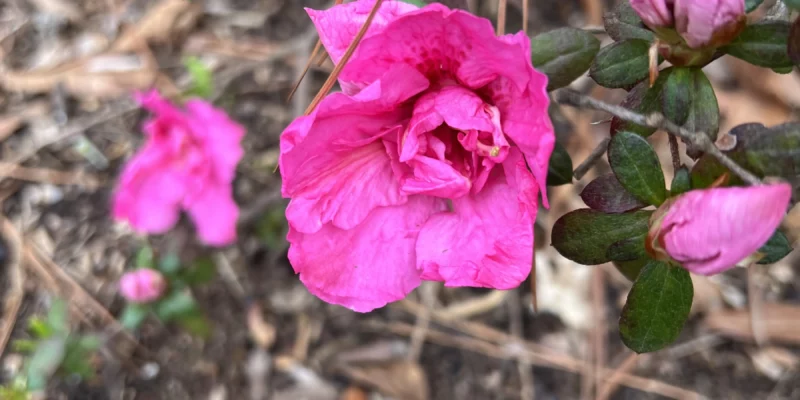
(161, 24)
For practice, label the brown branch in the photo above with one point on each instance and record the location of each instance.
(675, 152)
(590, 161)
(656, 120)
(502, 6)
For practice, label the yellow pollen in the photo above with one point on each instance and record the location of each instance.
(495, 151)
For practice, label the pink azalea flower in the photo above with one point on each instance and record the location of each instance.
(700, 22)
(142, 285)
(188, 163)
(710, 231)
(429, 166)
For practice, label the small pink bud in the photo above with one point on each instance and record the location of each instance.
(142, 286)
(710, 231)
(701, 23)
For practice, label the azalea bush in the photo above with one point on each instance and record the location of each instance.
(433, 160)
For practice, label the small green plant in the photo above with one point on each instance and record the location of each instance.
(175, 302)
(53, 351)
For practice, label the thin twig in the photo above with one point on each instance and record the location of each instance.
(326, 88)
(502, 6)
(310, 61)
(656, 120)
(527, 389)
(16, 292)
(674, 151)
(52, 176)
(595, 156)
(614, 380)
(525, 15)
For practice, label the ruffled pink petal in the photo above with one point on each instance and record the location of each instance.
(709, 231)
(214, 213)
(436, 40)
(339, 25)
(486, 242)
(331, 161)
(366, 267)
(654, 13)
(524, 116)
(697, 20)
(220, 137)
(435, 178)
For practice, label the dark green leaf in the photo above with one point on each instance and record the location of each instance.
(703, 113)
(418, 3)
(657, 308)
(202, 271)
(559, 172)
(677, 95)
(637, 168)
(563, 54)
(750, 5)
(144, 258)
(630, 249)
(681, 182)
(623, 23)
(606, 194)
(621, 64)
(707, 169)
(169, 263)
(585, 235)
(58, 317)
(202, 79)
(133, 315)
(776, 248)
(644, 100)
(774, 151)
(174, 305)
(764, 44)
(45, 362)
(196, 324)
(631, 269)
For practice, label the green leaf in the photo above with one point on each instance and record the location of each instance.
(777, 247)
(196, 324)
(202, 79)
(144, 258)
(40, 328)
(203, 270)
(606, 194)
(133, 315)
(644, 100)
(764, 44)
(681, 182)
(623, 23)
(174, 305)
(621, 64)
(637, 168)
(585, 235)
(418, 3)
(169, 263)
(630, 249)
(772, 151)
(24, 345)
(793, 4)
(658, 306)
(751, 5)
(58, 317)
(45, 361)
(631, 269)
(78, 358)
(563, 54)
(677, 98)
(559, 172)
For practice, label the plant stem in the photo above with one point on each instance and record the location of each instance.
(658, 121)
(587, 164)
(675, 152)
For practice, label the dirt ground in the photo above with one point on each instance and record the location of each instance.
(67, 124)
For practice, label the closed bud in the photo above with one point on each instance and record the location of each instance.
(699, 23)
(142, 286)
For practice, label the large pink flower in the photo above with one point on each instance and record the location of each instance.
(700, 22)
(710, 231)
(188, 162)
(428, 166)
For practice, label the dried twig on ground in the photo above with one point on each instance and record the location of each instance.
(16, 292)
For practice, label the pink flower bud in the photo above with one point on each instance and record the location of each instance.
(142, 285)
(701, 23)
(710, 231)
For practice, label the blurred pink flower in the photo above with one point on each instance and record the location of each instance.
(710, 231)
(428, 166)
(188, 162)
(142, 285)
(701, 23)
